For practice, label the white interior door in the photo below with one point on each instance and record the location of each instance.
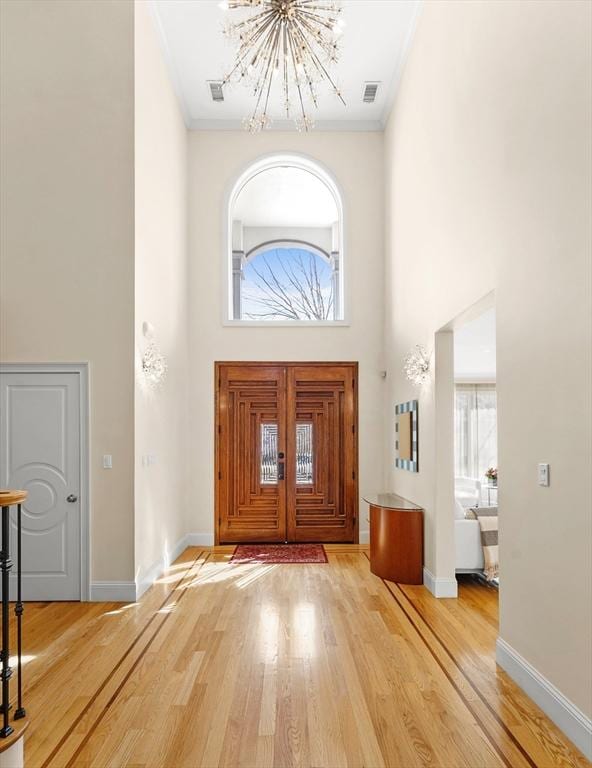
(40, 453)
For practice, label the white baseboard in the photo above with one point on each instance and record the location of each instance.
(440, 586)
(364, 537)
(566, 716)
(113, 592)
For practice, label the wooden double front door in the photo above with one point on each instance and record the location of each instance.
(286, 452)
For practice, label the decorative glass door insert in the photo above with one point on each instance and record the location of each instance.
(304, 454)
(269, 454)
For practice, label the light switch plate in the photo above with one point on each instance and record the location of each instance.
(107, 461)
(544, 475)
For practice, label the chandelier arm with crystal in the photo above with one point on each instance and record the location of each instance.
(318, 19)
(256, 44)
(331, 50)
(254, 21)
(263, 58)
(306, 76)
(309, 82)
(267, 62)
(270, 64)
(245, 49)
(320, 67)
(289, 38)
(286, 82)
(300, 32)
(259, 91)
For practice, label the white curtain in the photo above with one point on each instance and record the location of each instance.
(475, 430)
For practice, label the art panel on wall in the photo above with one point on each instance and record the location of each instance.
(406, 436)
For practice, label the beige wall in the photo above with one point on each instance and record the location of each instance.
(488, 181)
(161, 299)
(216, 160)
(67, 253)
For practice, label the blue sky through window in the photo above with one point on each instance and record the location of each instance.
(287, 284)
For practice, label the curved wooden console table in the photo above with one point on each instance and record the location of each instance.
(396, 538)
(11, 748)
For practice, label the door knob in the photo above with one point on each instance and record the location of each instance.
(72, 498)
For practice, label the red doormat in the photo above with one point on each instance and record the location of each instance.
(279, 553)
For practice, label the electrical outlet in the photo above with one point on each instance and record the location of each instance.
(544, 475)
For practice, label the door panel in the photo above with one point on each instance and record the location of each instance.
(286, 452)
(251, 497)
(40, 453)
(321, 472)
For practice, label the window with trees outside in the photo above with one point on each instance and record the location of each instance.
(475, 430)
(286, 263)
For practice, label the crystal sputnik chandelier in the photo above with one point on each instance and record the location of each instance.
(289, 44)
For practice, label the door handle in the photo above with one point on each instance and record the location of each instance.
(71, 498)
(280, 470)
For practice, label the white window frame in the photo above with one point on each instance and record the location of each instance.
(267, 162)
(473, 453)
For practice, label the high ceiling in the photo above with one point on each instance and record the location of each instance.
(374, 44)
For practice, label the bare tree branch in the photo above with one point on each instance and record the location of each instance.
(292, 290)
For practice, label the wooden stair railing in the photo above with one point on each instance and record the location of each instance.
(10, 499)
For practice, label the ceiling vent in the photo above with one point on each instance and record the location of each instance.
(216, 90)
(369, 95)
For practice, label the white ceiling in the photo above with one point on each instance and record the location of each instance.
(374, 44)
(474, 349)
(288, 197)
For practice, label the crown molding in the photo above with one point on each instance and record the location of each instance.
(287, 125)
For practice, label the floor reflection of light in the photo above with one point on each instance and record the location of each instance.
(13, 660)
(212, 573)
(170, 579)
(121, 610)
(168, 608)
(304, 623)
(242, 575)
(253, 575)
(269, 633)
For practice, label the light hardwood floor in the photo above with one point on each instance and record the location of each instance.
(286, 665)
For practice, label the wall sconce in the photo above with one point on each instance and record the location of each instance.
(154, 363)
(417, 365)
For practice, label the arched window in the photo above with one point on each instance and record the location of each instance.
(285, 250)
